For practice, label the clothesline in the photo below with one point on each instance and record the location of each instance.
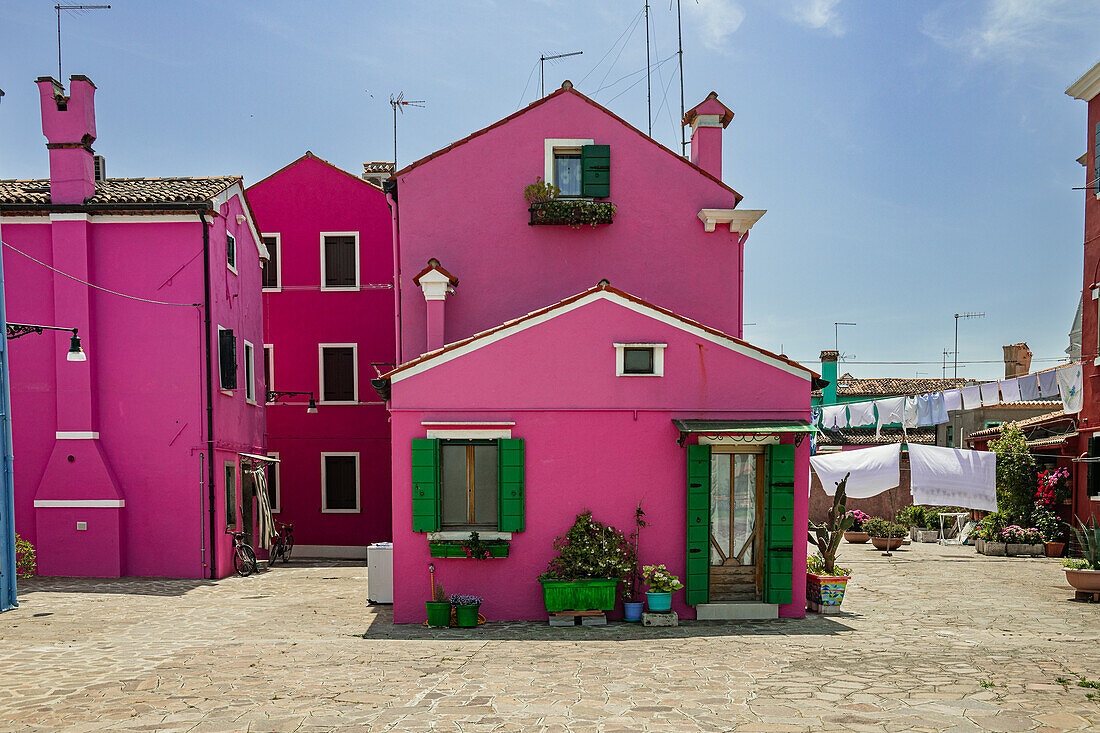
(932, 408)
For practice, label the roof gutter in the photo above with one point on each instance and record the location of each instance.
(204, 206)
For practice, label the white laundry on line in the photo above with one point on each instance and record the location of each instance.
(1010, 390)
(873, 470)
(971, 397)
(1069, 384)
(861, 413)
(991, 394)
(834, 416)
(953, 477)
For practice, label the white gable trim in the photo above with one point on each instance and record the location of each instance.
(237, 190)
(492, 338)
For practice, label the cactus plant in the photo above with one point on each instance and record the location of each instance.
(1088, 536)
(828, 534)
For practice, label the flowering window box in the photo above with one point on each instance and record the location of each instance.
(449, 548)
(572, 212)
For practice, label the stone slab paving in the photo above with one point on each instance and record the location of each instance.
(932, 638)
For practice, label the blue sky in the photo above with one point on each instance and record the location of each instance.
(916, 159)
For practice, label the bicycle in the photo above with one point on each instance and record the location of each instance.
(282, 543)
(244, 557)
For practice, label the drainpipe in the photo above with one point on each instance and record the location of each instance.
(208, 328)
(390, 188)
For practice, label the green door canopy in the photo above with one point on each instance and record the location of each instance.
(755, 428)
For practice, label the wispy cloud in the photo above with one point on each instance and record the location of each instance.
(819, 14)
(717, 20)
(1010, 28)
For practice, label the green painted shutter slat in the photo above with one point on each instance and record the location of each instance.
(425, 485)
(596, 171)
(511, 473)
(779, 521)
(697, 580)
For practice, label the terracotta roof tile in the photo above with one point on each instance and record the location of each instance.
(849, 386)
(1028, 422)
(866, 436)
(124, 190)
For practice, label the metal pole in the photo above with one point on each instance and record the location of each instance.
(58, 9)
(956, 373)
(648, 92)
(680, 43)
(8, 571)
(395, 166)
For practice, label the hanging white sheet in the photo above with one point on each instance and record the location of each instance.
(991, 394)
(939, 409)
(1010, 390)
(873, 470)
(972, 397)
(909, 413)
(924, 410)
(861, 413)
(834, 416)
(953, 477)
(1048, 384)
(889, 411)
(1029, 387)
(1069, 383)
(952, 400)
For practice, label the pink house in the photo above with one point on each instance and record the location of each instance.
(585, 352)
(135, 461)
(328, 316)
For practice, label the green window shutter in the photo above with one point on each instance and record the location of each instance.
(425, 485)
(779, 521)
(697, 582)
(510, 485)
(596, 171)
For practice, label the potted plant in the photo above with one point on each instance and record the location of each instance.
(1084, 574)
(591, 561)
(885, 535)
(466, 610)
(856, 535)
(1052, 529)
(1020, 541)
(825, 582)
(989, 540)
(632, 602)
(661, 584)
(439, 608)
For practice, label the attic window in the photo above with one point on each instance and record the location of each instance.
(639, 360)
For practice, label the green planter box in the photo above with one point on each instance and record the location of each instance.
(439, 549)
(593, 594)
(572, 212)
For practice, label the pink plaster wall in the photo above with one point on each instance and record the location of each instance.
(593, 440)
(479, 230)
(299, 202)
(145, 368)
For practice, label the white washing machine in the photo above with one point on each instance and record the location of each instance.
(380, 572)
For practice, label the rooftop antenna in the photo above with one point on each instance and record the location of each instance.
(543, 58)
(836, 333)
(648, 91)
(70, 8)
(399, 103)
(957, 317)
(680, 53)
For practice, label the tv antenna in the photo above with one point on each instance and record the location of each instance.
(543, 58)
(836, 332)
(400, 103)
(72, 9)
(680, 53)
(648, 91)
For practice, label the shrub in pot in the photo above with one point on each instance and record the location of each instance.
(466, 610)
(825, 581)
(856, 534)
(632, 597)
(1052, 529)
(592, 559)
(885, 534)
(439, 608)
(1084, 574)
(660, 584)
(1021, 541)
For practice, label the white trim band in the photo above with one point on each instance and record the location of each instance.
(471, 423)
(79, 503)
(76, 435)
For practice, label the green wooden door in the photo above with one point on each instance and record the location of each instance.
(779, 522)
(697, 582)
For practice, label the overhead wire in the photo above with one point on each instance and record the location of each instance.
(611, 48)
(525, 86)
(639, 81)
(620, 53)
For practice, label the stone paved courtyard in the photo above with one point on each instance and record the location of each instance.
(934, 638)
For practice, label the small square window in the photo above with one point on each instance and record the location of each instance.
(567, 173)
(638, 360)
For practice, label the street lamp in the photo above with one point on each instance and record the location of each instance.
(76, 353)
(275, 395)
(957, 317)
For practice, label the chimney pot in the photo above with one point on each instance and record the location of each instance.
(69, 126)
(708, 119)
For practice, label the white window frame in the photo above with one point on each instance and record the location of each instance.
(277, 507)
(249, 354)
(341, 288)
(223, 390)
(552, 145)
(658, 359)
(358, 483)
(278, 262)
(231, 267)
(269, 360)
(321, 374)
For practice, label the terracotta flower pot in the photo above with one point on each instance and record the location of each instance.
(1084, 580)
(881, 542)
(1054, 549)
(856, 538)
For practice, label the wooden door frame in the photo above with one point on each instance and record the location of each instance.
(760, 451)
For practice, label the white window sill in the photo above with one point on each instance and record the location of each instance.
(272, 290)
(461, 534)
(341, 289)
(332, 404)
(251, 402)
(341, 511)
(231, 269)
(638, 375)
(226, 392)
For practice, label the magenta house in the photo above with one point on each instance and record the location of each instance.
(585, 352)
(328, 316)
(139, 459)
